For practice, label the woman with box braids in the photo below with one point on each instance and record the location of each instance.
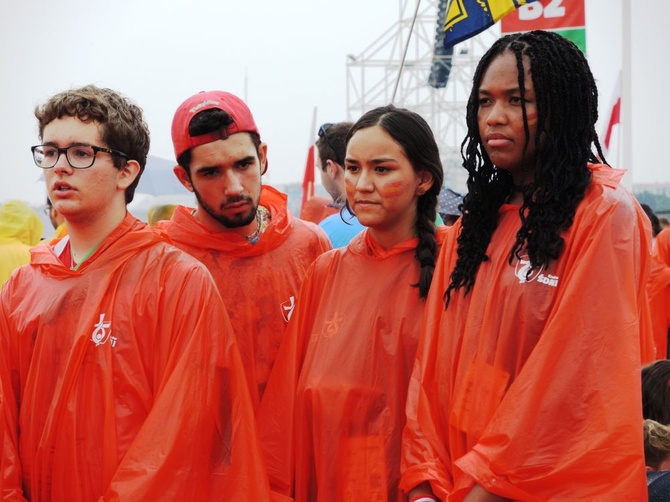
(537, 316)
(553, 182)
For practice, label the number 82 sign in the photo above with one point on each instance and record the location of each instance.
(566, 17)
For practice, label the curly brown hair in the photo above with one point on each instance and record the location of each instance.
(121, 122)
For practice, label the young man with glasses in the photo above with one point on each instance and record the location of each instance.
(331, 147)
(241, 230)
(121, 374)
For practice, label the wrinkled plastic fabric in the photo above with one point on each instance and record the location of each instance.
(258, 282)
(662, 247)
(346, 360)
(2, 435)
(19, 221)
(530, 386)
(20, 229)
(124, 380)
(658, 290)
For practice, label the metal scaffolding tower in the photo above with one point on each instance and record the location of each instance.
(372, 77)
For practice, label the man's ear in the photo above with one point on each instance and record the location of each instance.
(183, 177)
(332, 168)
(127, 174)
(263, 157)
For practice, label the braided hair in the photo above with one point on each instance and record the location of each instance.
(414, 135)
(567, 106)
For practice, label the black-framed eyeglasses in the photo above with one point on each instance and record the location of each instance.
(78, 156)
(323, 133)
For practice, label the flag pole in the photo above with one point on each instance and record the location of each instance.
(626, 129)
(312, 139)
(308, 176)
(404, 55)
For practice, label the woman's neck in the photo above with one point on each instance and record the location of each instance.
(389, 238)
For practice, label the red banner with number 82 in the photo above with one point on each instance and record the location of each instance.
(545, 15)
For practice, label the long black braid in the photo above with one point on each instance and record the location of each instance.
(414, 135)
(567, 105)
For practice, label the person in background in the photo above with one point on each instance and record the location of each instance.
(333, 413)
(160, 213)
(655, 222)
(657, 460)
(57, 220)
(241, 230)
(448, 204)
(341, 226)
(20, 229)
(662, 246)
(522, 385)
(121, 375)
(658, 291)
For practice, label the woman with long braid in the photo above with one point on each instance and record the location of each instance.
(335, 401)
(525, 382)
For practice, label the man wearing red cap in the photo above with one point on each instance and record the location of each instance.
(242, 231)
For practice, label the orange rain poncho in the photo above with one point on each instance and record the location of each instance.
(258, 282)
(2, 435)
(346, 359)
(659, 292)
(20, 229)
(530, 387)
(122, 380)
(662, 247)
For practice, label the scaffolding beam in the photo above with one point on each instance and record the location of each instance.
(372, 77)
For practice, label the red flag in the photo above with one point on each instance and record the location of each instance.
(615, 114)
(308, 179)
(615, 118)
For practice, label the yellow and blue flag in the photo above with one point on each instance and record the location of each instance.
(467, 18)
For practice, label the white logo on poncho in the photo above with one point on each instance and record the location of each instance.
(522, 269)
(102, 332)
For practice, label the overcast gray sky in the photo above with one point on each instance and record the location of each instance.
(285, 57)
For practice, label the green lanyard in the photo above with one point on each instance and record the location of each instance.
(86, 257)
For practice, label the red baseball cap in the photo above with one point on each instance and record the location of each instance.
(243, 121)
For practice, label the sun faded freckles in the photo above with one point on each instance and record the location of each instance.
(392, 189)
